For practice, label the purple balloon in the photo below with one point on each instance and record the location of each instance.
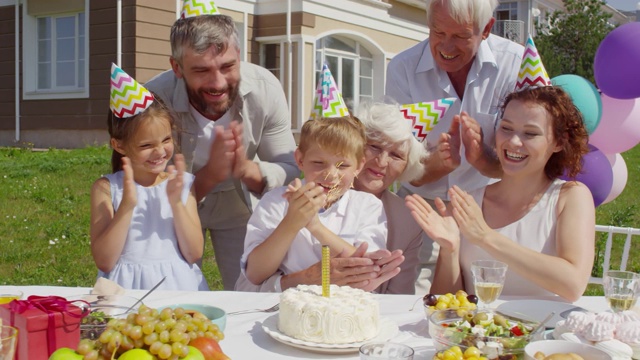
(616, 64)
(596, 174)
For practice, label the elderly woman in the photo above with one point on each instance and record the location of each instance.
(391, 154)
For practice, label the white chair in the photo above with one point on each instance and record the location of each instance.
(606, 263)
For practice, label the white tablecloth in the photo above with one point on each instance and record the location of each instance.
(245, 338)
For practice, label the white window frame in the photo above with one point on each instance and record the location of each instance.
(511, 7)
(321, 53)
(30, 60)
(241, 39)
(276, 71)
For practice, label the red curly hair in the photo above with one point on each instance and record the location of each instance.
(568, 128)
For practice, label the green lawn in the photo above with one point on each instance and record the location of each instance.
(44, 213)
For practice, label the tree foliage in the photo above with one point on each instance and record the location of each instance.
(568, 41)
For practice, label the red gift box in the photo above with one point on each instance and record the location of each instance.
(44, 325)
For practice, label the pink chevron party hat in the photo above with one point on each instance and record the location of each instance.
(192, 8)
(532, 72)
(425, 115)
(128, 97)
(328, 100)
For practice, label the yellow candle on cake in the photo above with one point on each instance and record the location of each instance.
(326, 262)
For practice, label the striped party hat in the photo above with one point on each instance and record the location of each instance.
(425, 115)
(192, 8)
(328, 100)
(532, 72)
(128, 97)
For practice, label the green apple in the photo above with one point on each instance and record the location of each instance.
(65, 354)
(136, 354)
(194, 354)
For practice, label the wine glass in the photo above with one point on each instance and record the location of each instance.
(386, 351)
(488, 279)
(621, 289)
(9, 293)
(8, 341)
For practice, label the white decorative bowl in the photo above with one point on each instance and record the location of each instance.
(549, 347)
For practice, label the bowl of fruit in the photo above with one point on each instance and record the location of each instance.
(495, 335)
(155, 333)
(460, 301)
(456, 353)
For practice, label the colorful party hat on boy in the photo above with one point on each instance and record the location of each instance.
(192, 8)
(425, 115)
(328, 100)
(532, 72)
(128, 97)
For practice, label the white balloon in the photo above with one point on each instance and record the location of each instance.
(620, 175)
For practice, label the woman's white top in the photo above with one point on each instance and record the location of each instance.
(536, 230)
(151, 250)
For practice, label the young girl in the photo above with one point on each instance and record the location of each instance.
(290, 224)
(144, 220)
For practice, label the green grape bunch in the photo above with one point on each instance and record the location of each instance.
(165, 334)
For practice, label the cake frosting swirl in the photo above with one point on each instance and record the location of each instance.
(598, 331)
(628, 316)
(348, 315)
(629, 332)
(578, 320)
(615, 333)
(609, 317)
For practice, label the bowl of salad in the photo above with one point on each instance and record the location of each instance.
(495, 335)
(101, 309)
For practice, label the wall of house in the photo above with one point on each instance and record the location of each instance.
(383, 45)
(306, 28)
(145, 53)
(147, 27)
(68, 123)
(407, 13)
(63, 123)
(7, 76)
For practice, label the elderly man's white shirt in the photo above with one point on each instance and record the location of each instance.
(357, 217)
(413, 76)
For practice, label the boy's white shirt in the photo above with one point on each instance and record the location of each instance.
(356, 217)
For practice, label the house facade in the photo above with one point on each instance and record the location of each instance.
(56, 54)
(516, 19)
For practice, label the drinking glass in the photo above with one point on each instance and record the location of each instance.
(488, 279)
(9, 293)
(386, 351)
(8, 342)
(621, 289)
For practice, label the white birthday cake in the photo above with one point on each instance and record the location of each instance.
(348, 315)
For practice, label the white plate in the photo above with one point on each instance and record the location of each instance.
(537, 310)
(388, 329)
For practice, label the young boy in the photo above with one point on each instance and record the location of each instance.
(290, 224)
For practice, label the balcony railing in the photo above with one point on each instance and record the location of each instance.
(510, 29)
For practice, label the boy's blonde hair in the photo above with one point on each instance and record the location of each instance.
(342, 135)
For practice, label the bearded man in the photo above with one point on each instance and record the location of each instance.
(233, 127)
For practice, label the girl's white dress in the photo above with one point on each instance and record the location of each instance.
(151, 251)
(536, 230)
